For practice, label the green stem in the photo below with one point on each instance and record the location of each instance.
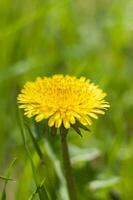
(67, 166)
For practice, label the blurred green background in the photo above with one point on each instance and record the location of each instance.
(81, 38)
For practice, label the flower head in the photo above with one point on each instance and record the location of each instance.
(62, 100)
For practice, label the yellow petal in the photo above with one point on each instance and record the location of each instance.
(93, 115)
(85, 120)
(39, 117)
(56, 115)
(58, 123)
(98, 111)
(51, 122)
(72, 120)
(66, 123)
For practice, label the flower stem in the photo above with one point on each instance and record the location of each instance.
(67, 166)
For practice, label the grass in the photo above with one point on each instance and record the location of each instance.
(82, 38)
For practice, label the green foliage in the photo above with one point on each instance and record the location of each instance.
(6, 179)
(82, 38)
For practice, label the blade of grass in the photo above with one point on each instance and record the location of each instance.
(37, 189)
(37, 148)
(42, 191)
(7, 179)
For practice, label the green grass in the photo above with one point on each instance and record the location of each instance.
(82, 38)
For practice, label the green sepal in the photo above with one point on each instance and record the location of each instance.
(77, 129)
(79, 125)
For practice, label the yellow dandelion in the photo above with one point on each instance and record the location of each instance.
(63, 100)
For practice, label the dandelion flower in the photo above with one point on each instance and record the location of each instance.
(63, 100)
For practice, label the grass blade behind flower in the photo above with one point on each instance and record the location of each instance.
(37, 148)
(41, 191)
(7, 179)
